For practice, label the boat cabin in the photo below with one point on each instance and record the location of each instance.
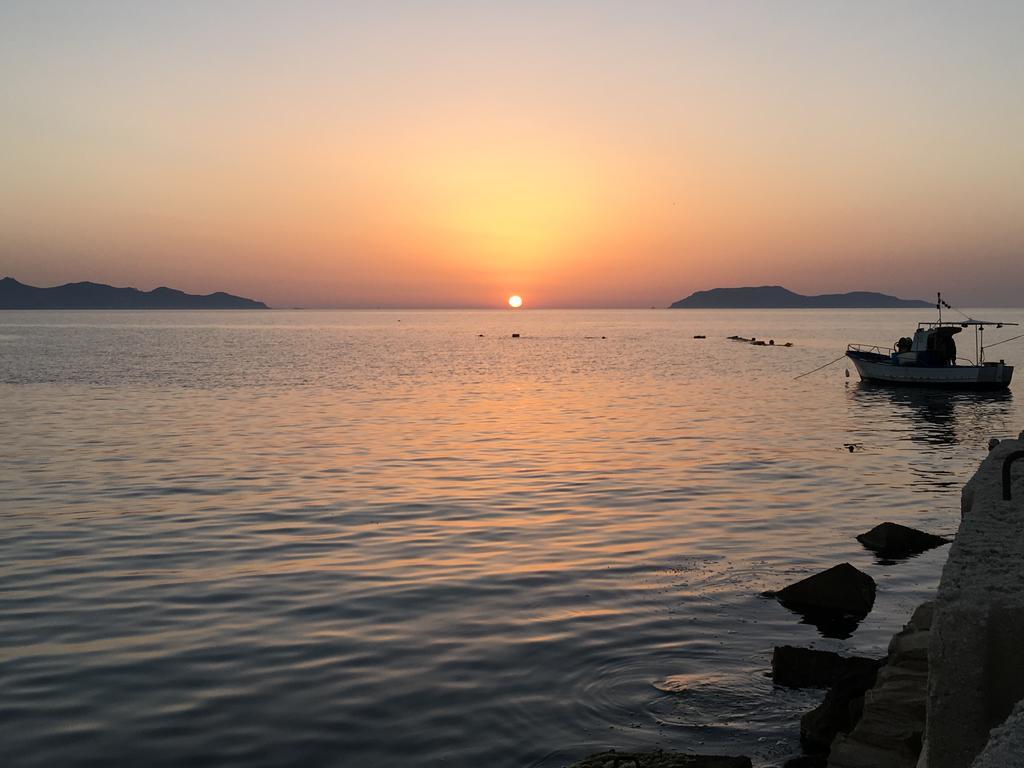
(932, 346)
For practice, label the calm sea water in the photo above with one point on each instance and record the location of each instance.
(382, 538)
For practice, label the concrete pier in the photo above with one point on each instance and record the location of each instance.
(976, 646)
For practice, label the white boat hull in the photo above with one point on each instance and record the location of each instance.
(994, 376)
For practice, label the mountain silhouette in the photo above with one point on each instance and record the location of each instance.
(777, 297)
(15, 295)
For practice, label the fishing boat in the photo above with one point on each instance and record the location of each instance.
(929, 358)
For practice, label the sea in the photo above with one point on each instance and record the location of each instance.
(382, 538)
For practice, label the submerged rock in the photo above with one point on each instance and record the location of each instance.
(805, 668)
(839, 712)
(894, 540)
(613, 759)
(807, 761)
(691, 683)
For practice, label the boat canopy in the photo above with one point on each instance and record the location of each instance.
(935, 346)
(935, 340)
(966, 324)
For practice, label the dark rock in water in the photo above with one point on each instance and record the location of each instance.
(840, 710)
(806, 668)
(894, 540)
(841, 589)
(613, 759)
(835, 601)
(807, 761)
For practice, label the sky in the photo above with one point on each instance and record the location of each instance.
(449, 154)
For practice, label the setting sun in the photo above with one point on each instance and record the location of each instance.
(515, 301)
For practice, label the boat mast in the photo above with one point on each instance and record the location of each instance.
(938, 305)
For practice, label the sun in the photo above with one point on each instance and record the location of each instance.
(515, 301)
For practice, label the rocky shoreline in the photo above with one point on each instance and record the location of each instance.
(952, 673)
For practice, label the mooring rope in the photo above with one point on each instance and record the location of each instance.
(826, 365)
(989, 346)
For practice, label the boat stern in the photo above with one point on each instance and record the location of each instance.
(998, 374)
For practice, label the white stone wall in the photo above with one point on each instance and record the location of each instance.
(976, 648)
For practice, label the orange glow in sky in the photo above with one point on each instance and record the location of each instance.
(588, 154)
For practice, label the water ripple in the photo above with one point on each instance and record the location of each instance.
(332, 538)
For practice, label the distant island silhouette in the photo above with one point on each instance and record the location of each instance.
(777, 297)
(15, 295)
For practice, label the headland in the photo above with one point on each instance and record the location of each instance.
(16, 295)
(777, 297)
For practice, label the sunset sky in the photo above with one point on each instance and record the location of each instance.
(604, 154)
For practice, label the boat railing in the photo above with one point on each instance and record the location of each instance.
(868, 348)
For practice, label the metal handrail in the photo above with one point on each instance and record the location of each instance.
(1007, 463)
(868, 348)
